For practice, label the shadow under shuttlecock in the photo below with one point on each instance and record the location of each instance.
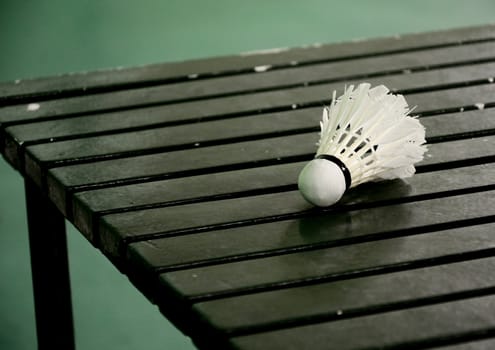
(372, 192)
(337, 223)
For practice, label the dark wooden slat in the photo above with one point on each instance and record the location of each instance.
(465, 318)
(355, 297)
(256, 179)
(432, 101)
(86, 205)
(188, 135)
(282, 203)
(154, 165)
(171, 138)
(281, 236)
(485, 344)
(319, 95)
(295, 76)
(15, 141)
(170, 162)
(27, 133)
(446, 125)
(46, 131)
(172, 135)
(280, 270)
(453, 98)
(82, 82)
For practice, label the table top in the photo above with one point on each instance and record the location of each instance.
(184, 176)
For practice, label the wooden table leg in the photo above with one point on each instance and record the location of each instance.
(50, 271)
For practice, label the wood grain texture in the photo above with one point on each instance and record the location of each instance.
(285, 269)
(170, 138)
(69, 128)
(244, 84)
(486, 344)
(236, 183)
(446, 320)
(282, 236)
(270, 151)
(155, 220)
(332, 301)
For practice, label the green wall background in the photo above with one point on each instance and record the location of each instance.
(46, 37)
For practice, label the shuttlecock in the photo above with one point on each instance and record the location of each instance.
(366, 135)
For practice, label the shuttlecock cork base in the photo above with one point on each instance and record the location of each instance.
(366, 135)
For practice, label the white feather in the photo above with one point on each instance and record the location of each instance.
(371, 132)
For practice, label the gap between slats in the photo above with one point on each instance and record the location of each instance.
(435, 342)
(357, 273)
(333, 310)
(402, 71)
(342, 241)
(324, 245)
(376, 236)
(126, 154)
(287, 108)
(98, 215)
(363, 311)
(261, 163)
(371, 271)
(22, 144)
(269, 190)
(258, 191)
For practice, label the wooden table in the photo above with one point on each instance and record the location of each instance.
(184, 176)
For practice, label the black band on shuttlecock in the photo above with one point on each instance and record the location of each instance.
(341, 165)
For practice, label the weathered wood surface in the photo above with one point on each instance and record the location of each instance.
(184, 175)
